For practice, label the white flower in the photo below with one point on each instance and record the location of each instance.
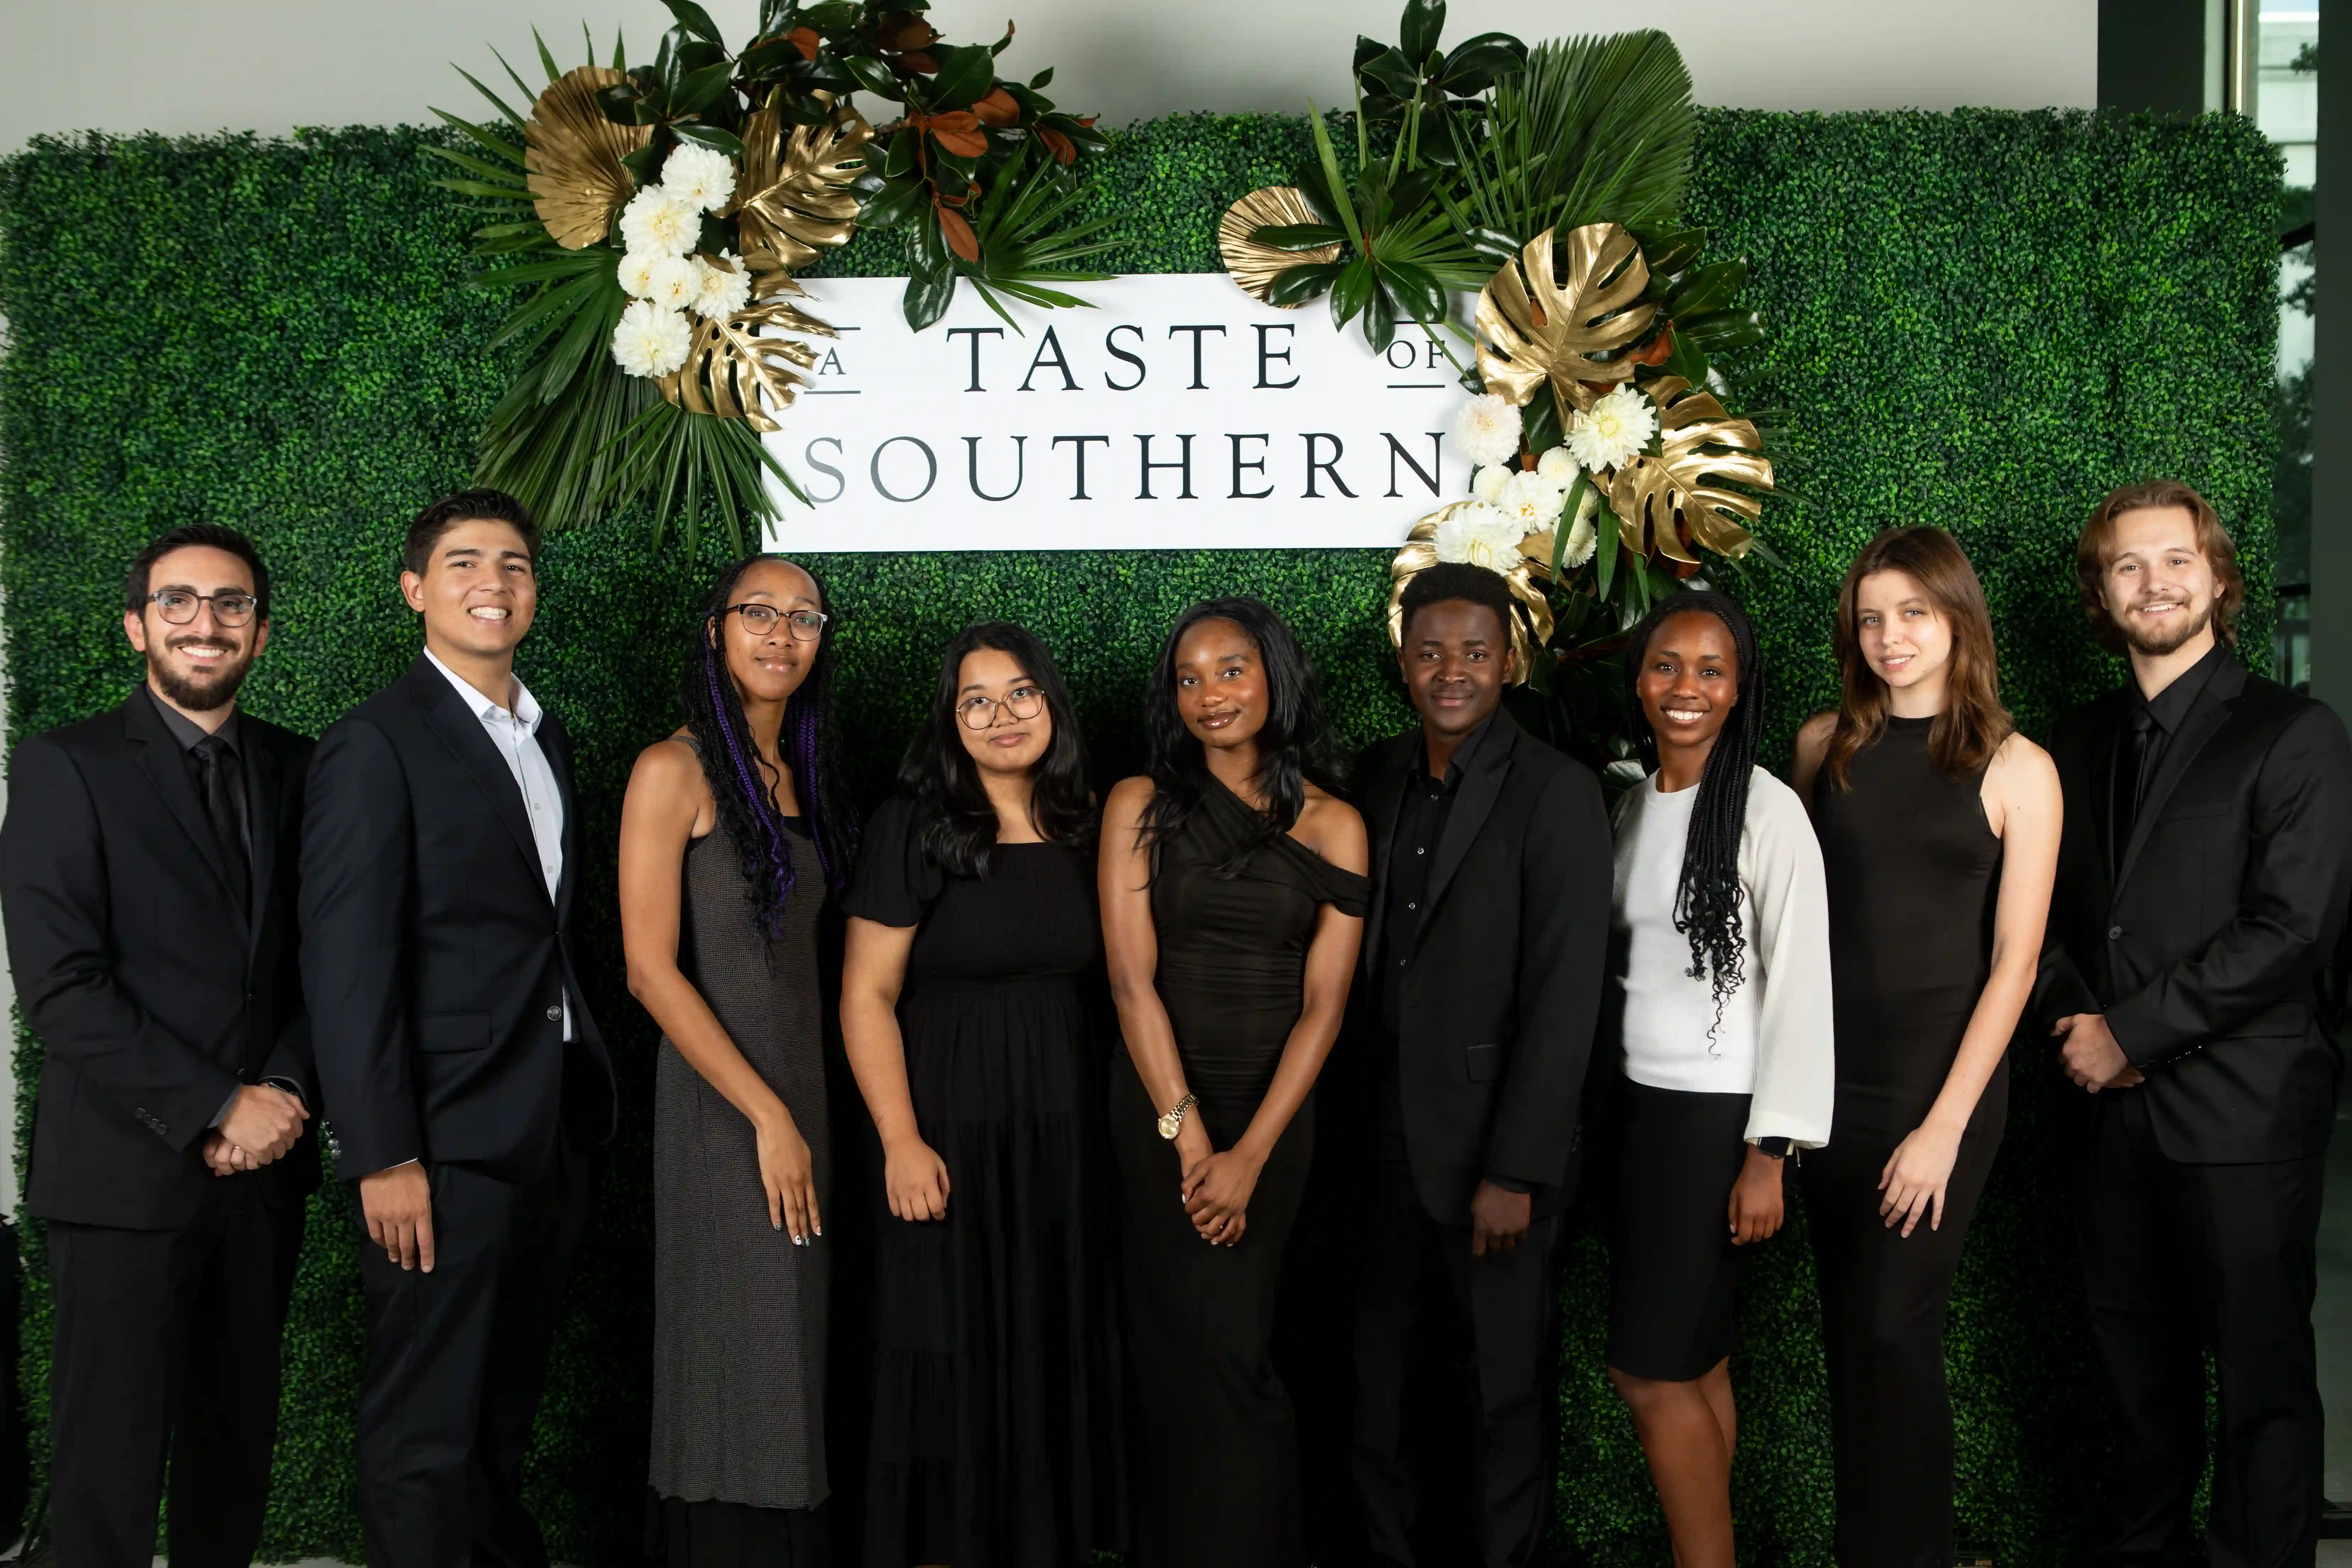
(637, 273)
(674, 282)
(650, 341)
(698, 176)
(1480, 535)
(1582, 534)
(1558, 466)
(1613, 431)
(659, 224)
(1489, 482)
(1487, 430)
(722, 290)
(1529, 500)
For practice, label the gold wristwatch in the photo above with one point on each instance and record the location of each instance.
(1171, 1122)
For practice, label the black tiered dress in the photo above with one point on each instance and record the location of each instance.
(998, 1410)
(1913, 873)
(1216, 1445)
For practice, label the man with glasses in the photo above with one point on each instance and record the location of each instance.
(148, 880)
(465, 1079)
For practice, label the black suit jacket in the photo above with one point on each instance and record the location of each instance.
(436, 964)
(154, 995)
(1503, 983)
(2205, 947)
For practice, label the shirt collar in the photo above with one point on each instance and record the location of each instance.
(526, 710)
(2172, 705)
(186, 731)
(1463, 754)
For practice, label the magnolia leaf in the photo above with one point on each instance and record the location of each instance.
(794, 198)
(572, 157)
(1256, 264)
(734, 371)
(1535, 330)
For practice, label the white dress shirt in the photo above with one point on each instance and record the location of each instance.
(514, 731)
(1776, 1040)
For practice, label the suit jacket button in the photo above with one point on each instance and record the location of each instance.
(555, 1013)
(2114, 933)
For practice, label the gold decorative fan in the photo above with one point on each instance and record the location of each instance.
(1535, 330)
(571, 158)
(1530, 628)
(1254, 265)
(793, 196)
(1675, 499)
(734, 372)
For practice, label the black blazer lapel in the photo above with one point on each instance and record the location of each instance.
(555, 742)
(1380, 803)
(460, 728)
(1482, 786)
(264, 778)
(160, 760)
(2206, 716)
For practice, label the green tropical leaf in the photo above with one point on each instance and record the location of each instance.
(1297, 285)
(1296, 235)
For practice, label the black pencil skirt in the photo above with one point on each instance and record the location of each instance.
(1674, 1274)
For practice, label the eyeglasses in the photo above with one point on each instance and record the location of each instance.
(1021, 702)
(806, 625)
(178, 606)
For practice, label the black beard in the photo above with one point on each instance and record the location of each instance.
(2158, 647)
(219, 692)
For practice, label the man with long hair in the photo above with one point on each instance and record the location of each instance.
(2204, 874)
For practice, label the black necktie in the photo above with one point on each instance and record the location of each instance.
(218, 766)
(2131, 777)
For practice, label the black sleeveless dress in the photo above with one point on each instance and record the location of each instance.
(1913, 874)
(999, 1400)
(1217, 1477)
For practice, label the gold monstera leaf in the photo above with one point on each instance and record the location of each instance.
(794, 198)
(1535, 330)
(571, 158)
(734, 371)
(1254, 265)
(1531, 629)
(1680, 498)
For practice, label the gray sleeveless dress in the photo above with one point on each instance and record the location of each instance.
(738, 1311)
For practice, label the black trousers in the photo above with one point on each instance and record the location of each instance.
(2177, 1258)
(167, 1343)
(457, 1361)
(1508, 1302)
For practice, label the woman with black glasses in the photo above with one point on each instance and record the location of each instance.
(733, 847)
(974, 948)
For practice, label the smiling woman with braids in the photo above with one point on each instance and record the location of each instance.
(732, 845)
(1723, 925)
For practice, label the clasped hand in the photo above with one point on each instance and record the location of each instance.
(2090, 1054)
(260, 1125)
(1216, 1186)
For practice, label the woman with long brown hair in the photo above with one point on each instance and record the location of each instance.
(1938, 826)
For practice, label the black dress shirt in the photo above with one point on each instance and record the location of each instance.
(2146, 734)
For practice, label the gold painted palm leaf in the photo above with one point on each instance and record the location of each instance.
(1254, 265)
(1533, 329)
(1681, 500)
(571, 158)
(794, 198)
(734, 371)
(1531, 629)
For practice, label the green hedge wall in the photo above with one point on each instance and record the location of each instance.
(1981, 320)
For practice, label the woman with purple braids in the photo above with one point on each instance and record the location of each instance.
(733, 845)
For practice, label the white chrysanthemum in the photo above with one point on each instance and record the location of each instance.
(674, 282)
(1613, 431)
(723, 290)
(1489, 482)
(650, 341)
(657, 222)
(698, 176)
(637, 273)
(1487, 430)
(1529, 500)
(1480, 535)
(1559, 467)
(1584, 533)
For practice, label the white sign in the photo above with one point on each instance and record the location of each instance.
(1176, 413)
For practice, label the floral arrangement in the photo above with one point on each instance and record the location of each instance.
(1605, 466)
(656, 215)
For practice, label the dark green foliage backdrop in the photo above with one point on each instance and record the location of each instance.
(1981, 320)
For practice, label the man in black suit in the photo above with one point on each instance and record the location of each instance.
(1481, 980)
(466, 1084)
(2205, 872)
(147, 873)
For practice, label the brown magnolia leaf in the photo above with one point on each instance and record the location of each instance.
(1680, 500)
(1254, 265)
(794, 198)
(1064, 151)
(1537, 329)
(919, 62)
(734, 371)
(571, 158)
(997, 109)
(805, 40)
(1530, 628)
(958, 131)
(957, 231)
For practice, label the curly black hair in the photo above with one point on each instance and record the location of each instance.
(960, 828)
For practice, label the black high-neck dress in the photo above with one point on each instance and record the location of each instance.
(1914, 872)
(1217, 1481)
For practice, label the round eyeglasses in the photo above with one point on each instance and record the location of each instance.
(805, 625)
(178, 606)
(1021, 702)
